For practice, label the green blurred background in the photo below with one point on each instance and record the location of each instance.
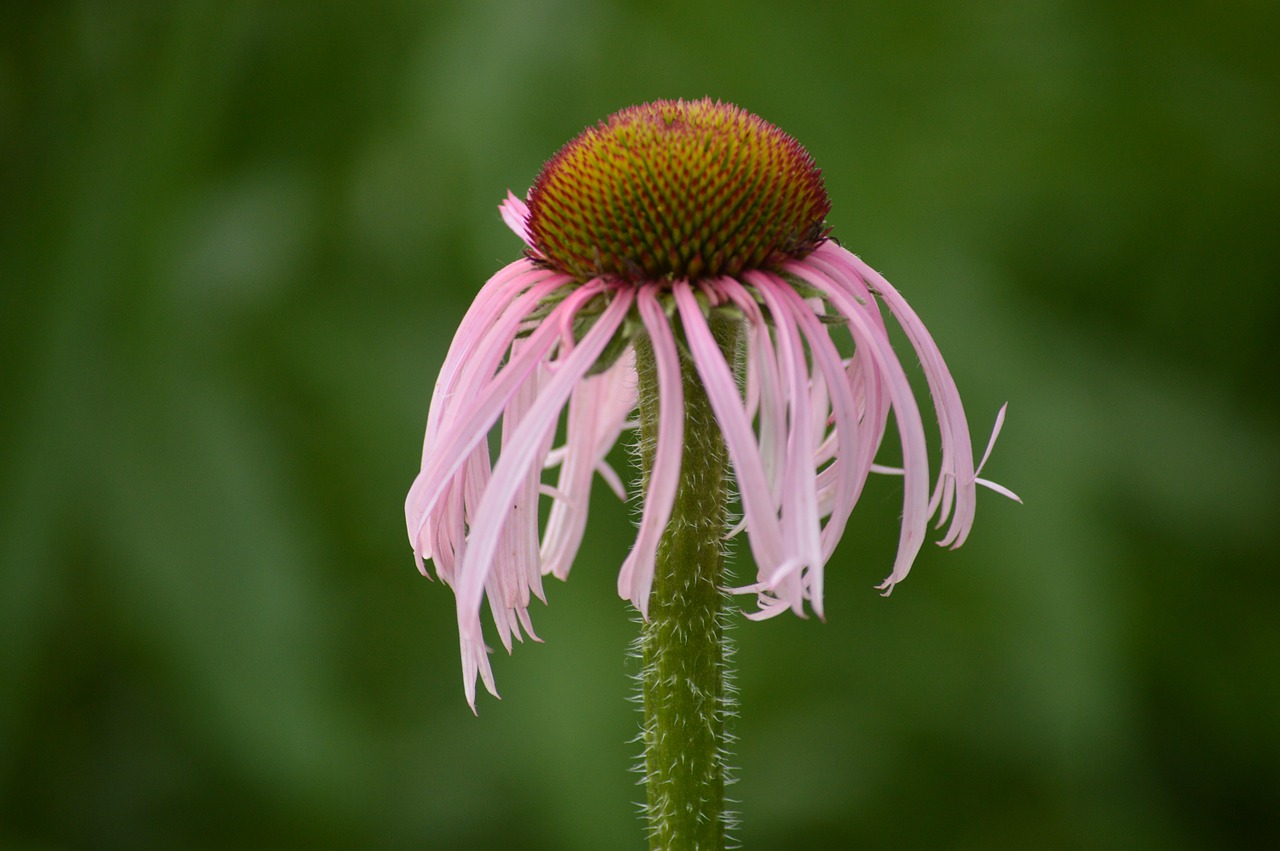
(235, 239)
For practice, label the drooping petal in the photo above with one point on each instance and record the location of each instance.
(763, 531)
(598, 411)
(472, 405)
(475, 662)
(515, 213)
(871, 339)
(635, 579)
(854, 443)
(515, 573)
(501, 295)
(801, 524)
(848, 472)
(956, 472)
(522, 452)
(770, 403)
(447, 531)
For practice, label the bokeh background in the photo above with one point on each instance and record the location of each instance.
(235, 239)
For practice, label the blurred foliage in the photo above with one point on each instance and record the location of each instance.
(235, 239)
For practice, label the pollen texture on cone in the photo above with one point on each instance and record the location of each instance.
(677, 189)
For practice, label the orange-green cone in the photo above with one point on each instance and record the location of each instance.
(677, 189)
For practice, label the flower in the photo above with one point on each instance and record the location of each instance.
(646, 225)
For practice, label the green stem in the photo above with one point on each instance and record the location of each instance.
(683, 646)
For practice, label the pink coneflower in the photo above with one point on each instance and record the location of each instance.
(657, 226)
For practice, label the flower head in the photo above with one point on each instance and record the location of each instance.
(677, 190)
(650, 224)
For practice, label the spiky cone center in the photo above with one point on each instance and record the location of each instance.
(677, 189)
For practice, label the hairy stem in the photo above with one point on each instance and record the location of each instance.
(683, 648)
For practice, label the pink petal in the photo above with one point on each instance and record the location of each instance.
(635, 579)
(475, 662)
(849, 472)
(516, 215)
(517, 566)
(500, 295)
(521, 454)
(470, 409)
(801, 526)
(494, 300)
(956, 471)
(991, 442)
(762, 364)
(763, 531)
(871, 339)
(598, 412)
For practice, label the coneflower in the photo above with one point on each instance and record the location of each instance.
(678, 280)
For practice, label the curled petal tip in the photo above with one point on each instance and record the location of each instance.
(1000, 489)
(515, 213)
(991, 441)
(422, 564)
